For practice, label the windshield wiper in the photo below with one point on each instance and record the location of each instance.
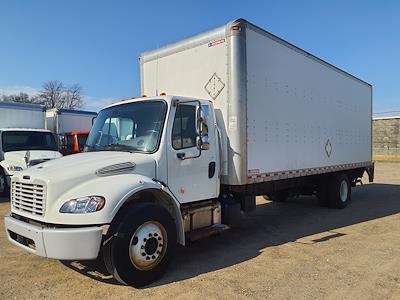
(116, 147)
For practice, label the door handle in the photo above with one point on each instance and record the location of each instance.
(181, 155)
(211, 169)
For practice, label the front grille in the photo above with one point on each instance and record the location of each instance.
(28, 197)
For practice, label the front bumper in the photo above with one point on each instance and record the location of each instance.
(58, 243)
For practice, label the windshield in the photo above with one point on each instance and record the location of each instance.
(28, 140)
(133, 127)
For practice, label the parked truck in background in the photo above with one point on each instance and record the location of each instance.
(246, 114)
(73, 142)
(23, 140)
(71, 127)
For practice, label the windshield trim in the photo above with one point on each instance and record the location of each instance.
(160, 135)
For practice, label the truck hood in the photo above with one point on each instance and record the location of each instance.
(94, 164)
(110, 174)
(70, 172)
(35, 156)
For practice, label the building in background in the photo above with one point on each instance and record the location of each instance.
(386, 136)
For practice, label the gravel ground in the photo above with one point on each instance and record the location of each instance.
(281, 251)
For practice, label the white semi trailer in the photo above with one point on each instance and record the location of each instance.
(254, 115)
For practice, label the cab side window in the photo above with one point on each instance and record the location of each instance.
(184, 130)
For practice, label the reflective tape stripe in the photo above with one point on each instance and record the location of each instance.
(262, 177)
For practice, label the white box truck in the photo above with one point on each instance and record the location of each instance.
(23, 140)
(60, 121)
(71, 127)
(254, 115)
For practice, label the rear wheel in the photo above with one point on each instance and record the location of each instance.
(339, 191)
(141, 246)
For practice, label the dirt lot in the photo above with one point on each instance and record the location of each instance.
(282, 250)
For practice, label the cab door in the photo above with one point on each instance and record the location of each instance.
(193, 168)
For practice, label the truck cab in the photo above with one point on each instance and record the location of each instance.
(22, 148)
(146, 160)
(72, 142)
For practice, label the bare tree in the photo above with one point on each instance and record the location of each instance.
(73, 97)
(21, 98)
(51, 95)
(55, 95)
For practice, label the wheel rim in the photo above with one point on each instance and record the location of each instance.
(343, 191)
(148, 245)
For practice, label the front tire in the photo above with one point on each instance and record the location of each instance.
(142, 245)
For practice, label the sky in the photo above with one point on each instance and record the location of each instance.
(96, 43)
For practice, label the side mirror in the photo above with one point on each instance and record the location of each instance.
(202, 142)
(202, 130)
(62, 142)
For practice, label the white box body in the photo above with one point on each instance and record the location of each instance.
(278, 107)
(61, 121)
(21, 115)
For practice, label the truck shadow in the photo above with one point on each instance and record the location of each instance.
(271, 224)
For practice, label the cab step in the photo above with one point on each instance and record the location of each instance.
(205, 232)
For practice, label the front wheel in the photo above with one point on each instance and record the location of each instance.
(141, 246)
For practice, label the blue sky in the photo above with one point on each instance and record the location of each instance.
(97, 43)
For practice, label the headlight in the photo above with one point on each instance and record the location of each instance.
(83, 205)
(14, 168)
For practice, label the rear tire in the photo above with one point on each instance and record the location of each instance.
(142, 245)
(339, 191)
